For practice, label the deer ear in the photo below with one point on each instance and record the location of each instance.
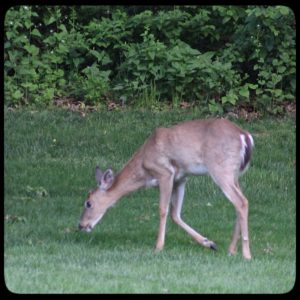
(98, 175)
(107, 180)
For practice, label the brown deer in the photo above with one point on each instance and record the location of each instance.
(214, 146)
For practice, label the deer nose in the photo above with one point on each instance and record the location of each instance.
(87, 228)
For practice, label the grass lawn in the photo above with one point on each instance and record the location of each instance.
(50, 157)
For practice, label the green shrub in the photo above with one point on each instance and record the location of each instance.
(215, 56)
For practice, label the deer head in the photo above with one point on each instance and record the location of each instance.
(98, 201)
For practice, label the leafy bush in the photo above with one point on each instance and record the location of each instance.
(93, 85)
(214, 56)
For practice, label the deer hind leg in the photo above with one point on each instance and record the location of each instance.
(233, 192)
(235, 237)
(177, 201)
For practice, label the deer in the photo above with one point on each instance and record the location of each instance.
(215, 147)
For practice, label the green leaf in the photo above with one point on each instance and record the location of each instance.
(27, 24)
(289, 97)
(151, 55)
(17, 95)
(225, 20)
(49, 21)
(269, 43)
(283, 10)
(256, 67)
(252, 86)
(35, 32)
(275, 62)
(29, 86)
(49, 93)
(62, 27)
(277, 92)
(106, 60)
(215, 107)
(9, 35)
(293, 84)
(281, 69)
(224, 99)
(244, 92)
(227, 99)
(259, 91)
(276, 78)
(98, 55)
(31, 49)
(264, 74)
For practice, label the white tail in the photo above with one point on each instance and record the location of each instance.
(214, 146)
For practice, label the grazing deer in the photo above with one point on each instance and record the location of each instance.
(214, 146)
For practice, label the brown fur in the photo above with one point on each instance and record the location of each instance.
(167, 157)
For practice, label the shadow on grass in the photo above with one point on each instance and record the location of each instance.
(111, 239)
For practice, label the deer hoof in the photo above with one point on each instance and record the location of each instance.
(158, 249)
(213, 246)
(209, 244)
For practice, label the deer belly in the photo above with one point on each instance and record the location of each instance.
(152, 182)
(197, 169)
(192, 169)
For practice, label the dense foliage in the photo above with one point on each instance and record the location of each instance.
(215, 56)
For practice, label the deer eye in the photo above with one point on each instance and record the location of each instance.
(88, 204)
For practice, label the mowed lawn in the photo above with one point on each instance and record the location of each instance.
(50, 157)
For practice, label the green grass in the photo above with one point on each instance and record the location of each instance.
(50, 158)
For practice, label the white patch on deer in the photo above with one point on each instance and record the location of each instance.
(93, 224)
(243, 147)
(197, 169)
(152, 182)
(251, 139)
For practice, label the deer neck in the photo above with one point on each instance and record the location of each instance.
(129, 179)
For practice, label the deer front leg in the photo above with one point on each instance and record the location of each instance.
(177, 201)
(165, 187)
